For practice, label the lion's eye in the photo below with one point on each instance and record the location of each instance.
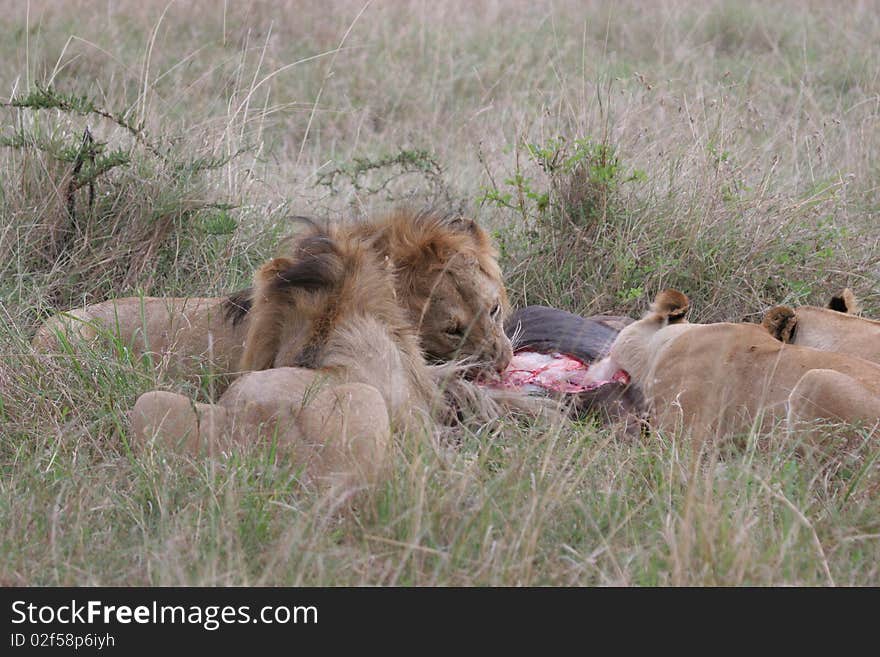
(496, 311)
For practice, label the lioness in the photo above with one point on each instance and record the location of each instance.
(724, 378)
(835, 328)
(336, 365)
(447, 280)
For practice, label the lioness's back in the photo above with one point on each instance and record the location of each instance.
(716, 372)
(828, 330)
(189, 331)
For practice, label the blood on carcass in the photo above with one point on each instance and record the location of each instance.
(532, 371)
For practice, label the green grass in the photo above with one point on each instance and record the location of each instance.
(727, 149)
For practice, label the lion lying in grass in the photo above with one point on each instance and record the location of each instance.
(835, 328)
(712, 379)
(336, 367)
(447, 281)
(345, 324)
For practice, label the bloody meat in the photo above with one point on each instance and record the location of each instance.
(532, 371)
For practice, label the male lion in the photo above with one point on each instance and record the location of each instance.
(335, 366)
(835, 328)
(714, 378)
(447, 281)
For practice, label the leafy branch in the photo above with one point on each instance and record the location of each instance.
(47, 98)
(407, 161)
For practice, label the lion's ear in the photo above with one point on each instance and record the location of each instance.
(465, 225)
(316, 265)
(670, 306)
(845, 302)
(780, 322)
(473, 230)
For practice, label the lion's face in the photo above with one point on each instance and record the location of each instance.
(449, 281)
(462, 315)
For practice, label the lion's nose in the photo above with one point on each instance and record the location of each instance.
(503, 357)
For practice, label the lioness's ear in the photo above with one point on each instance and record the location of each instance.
(845, 302)
(670, 306)
(780, 322)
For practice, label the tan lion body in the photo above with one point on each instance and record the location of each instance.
(184, 334)
(724, 378)
(331, 341)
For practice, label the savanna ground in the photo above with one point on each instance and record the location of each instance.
(726, 149)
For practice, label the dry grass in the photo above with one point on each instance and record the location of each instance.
(746, 138)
